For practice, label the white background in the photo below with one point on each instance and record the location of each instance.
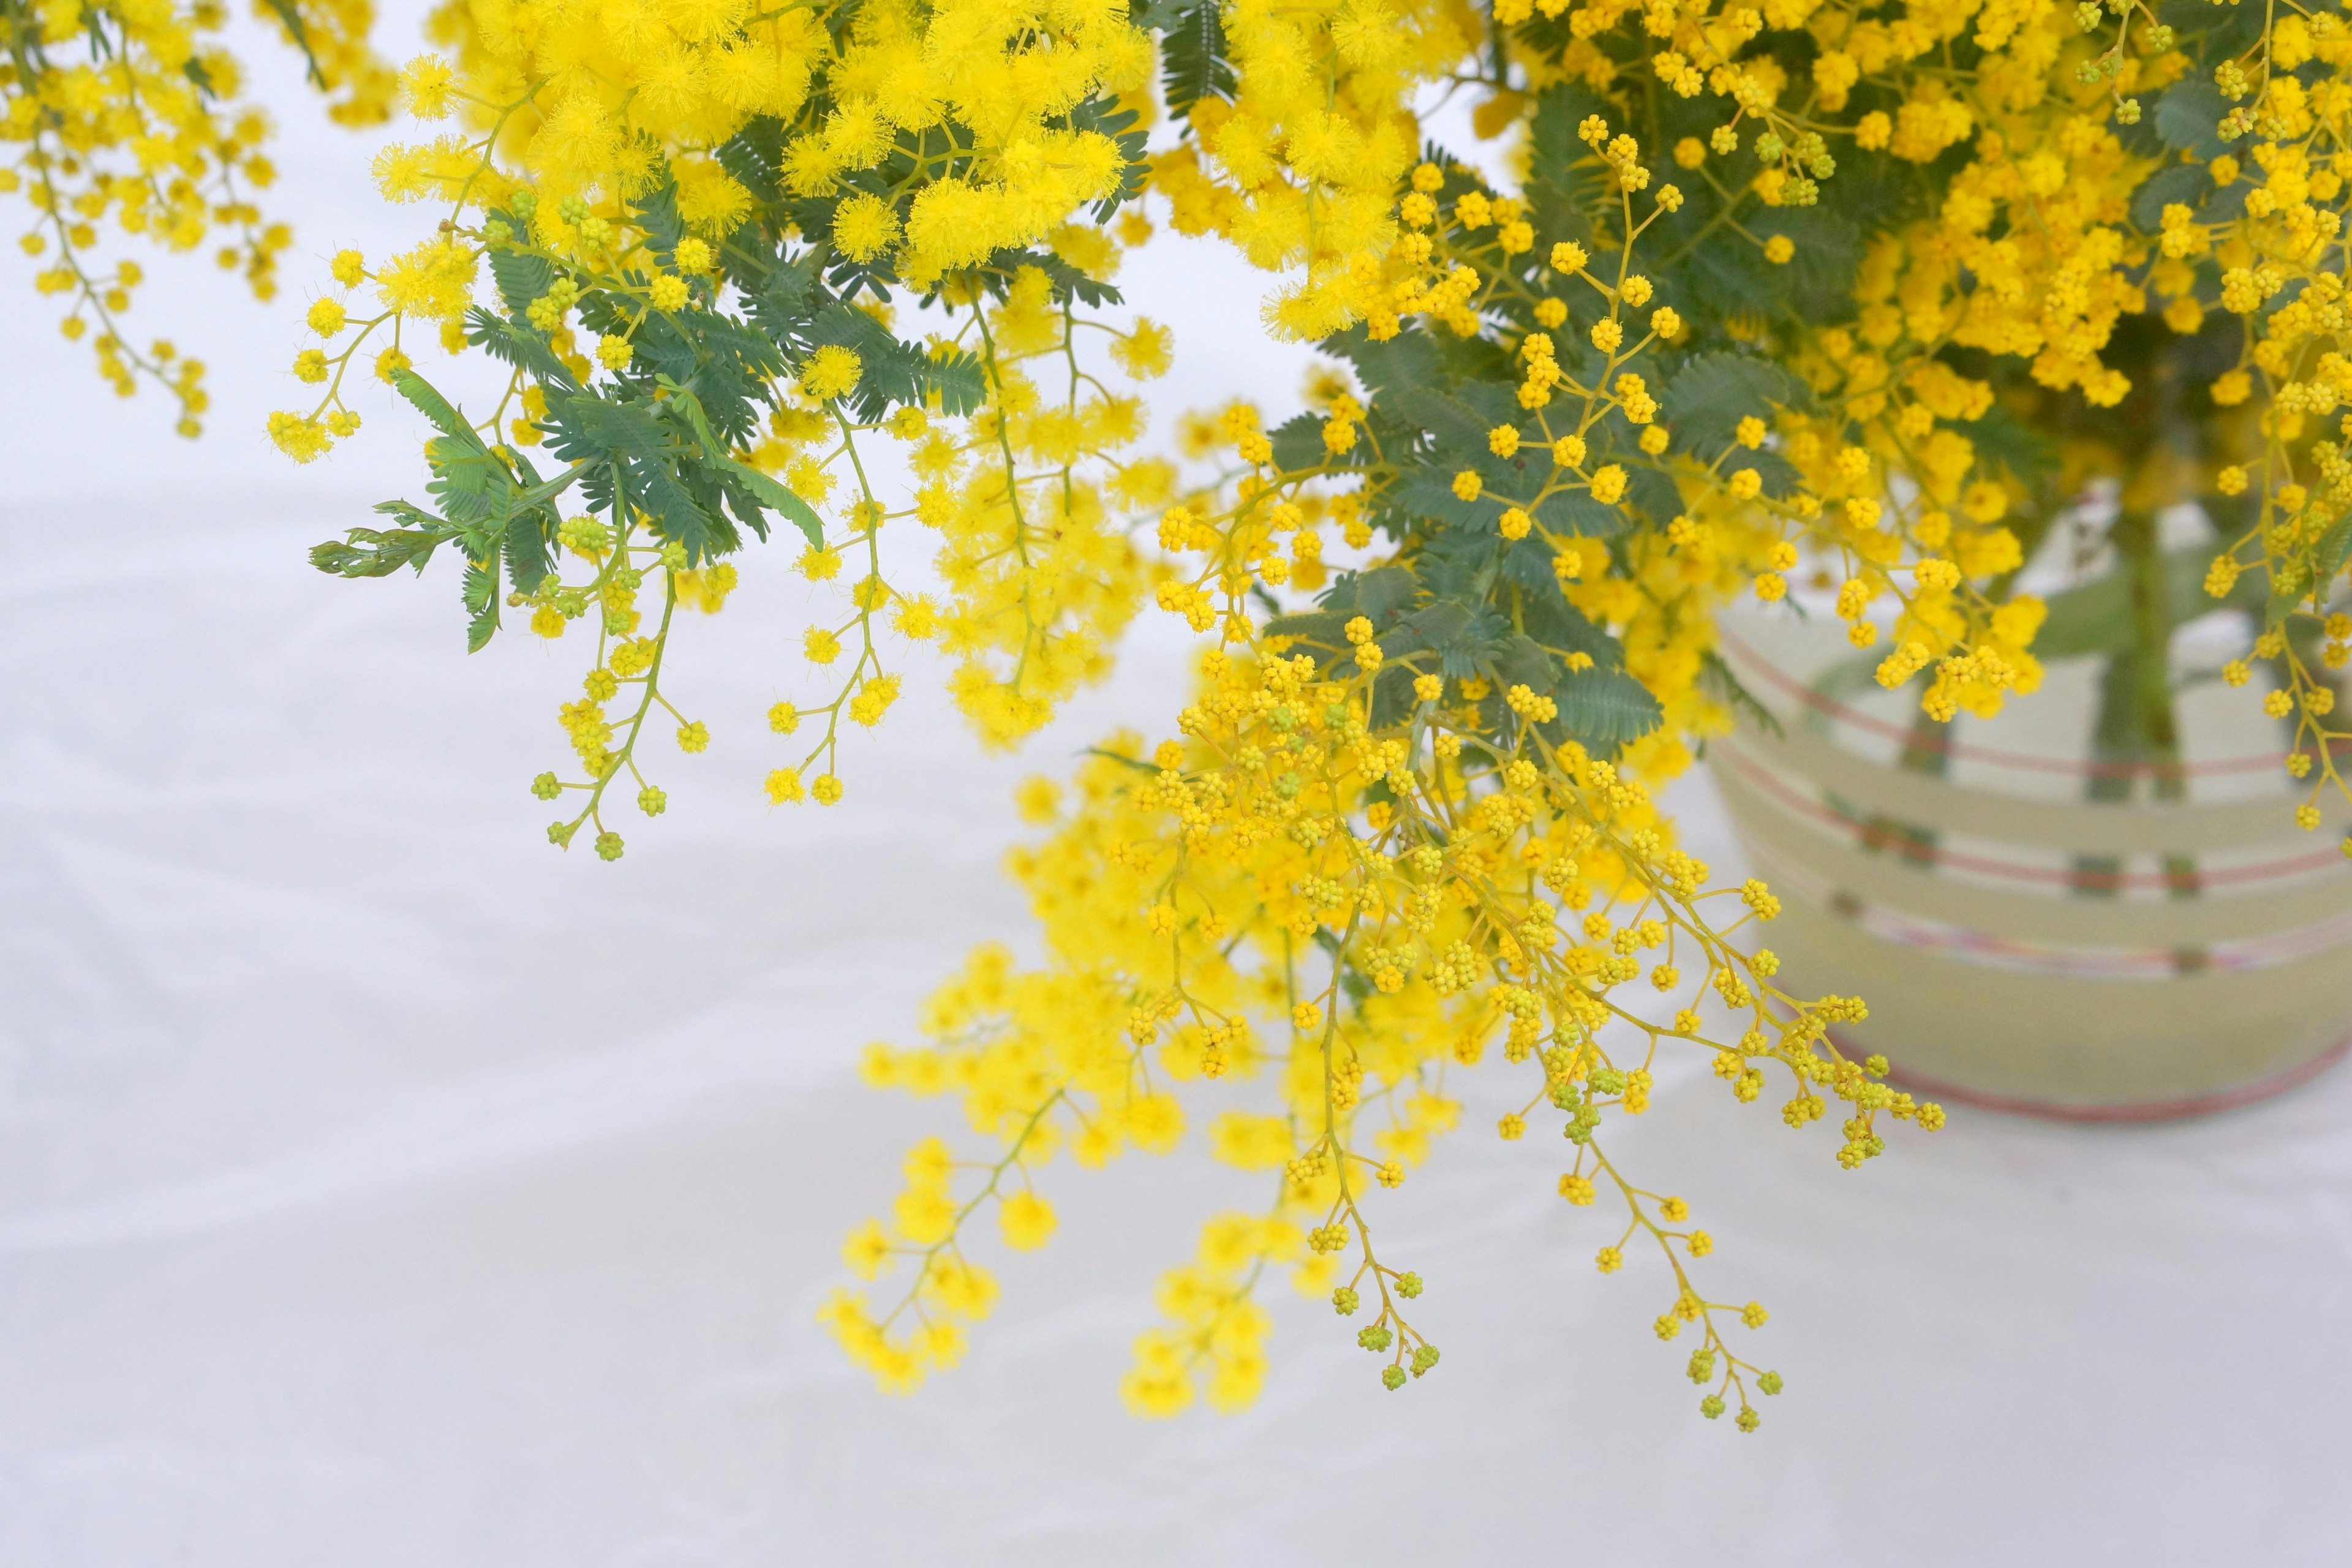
(379, 1186)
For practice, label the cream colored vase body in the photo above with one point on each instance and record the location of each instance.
(2019, 943)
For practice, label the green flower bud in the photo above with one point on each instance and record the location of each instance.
(608, 846)
(1344, 1301)
(1392, 1377)
(1409, 1285)
(584, 533)
(546, 786)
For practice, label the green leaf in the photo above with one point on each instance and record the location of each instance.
(482, 598)
(1603, 708)
(1717, 676)
(2189, 117)
(1457, 426)
(2213, 33)
(1138, 764)
(1577, 515)
(1408, 360)
(1299, 443)
(2329, 554)
(1552, 141)
(1706, 399)
(1820, 277)
(545, 490)
(1109, 117)
(474, 488)
(1569, 187)
(1560, 628)
(767, 490)
(1381, 594)
(622, 428)
(520, 277)
(2187, 184)
(1192, 63)
(2004, 441)
(300, 35)
(783, 306)
(1423, 493)
(1069, 283)
(754, 156)
(655, 213)
(776, 498)
(1437, 626)
(1520, 661)
(435, 407)
(1392, 698)
(1318, 628)
(522, 346)
(376, 553)
(894, 371)
(1650, 492)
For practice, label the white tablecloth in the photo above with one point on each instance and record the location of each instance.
(379, 1186)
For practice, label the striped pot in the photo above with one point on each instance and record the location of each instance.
(2031, 928)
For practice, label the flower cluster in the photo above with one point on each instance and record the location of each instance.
(1353, 917)
(129, 112)
(1848, 300)
(694, 230)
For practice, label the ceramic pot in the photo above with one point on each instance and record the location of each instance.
(2034, 923)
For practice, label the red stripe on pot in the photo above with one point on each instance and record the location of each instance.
(1917, 853)
(1926, 934)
